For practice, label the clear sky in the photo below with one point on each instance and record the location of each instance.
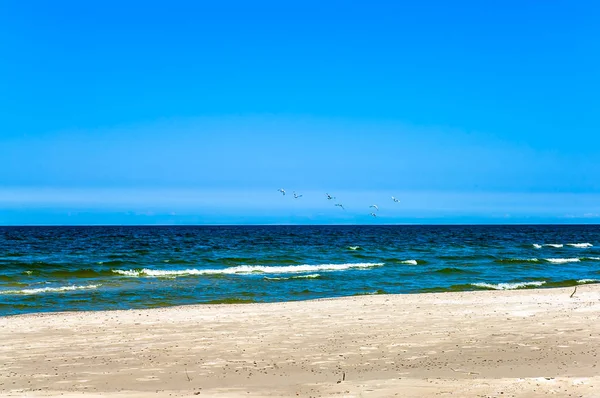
(142, 112)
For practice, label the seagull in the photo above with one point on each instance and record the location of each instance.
(340, 205)
(297, 196)
(374, 206)
(374, 215)
(329, 197)
(395, 200)
(282, 191)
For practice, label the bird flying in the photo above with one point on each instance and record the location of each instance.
(340, 205)
(282, 191)
(329, 197)
(297, 196)
(395, 200)
(375, 207)
(374, 215)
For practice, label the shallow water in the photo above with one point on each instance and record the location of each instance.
(98, 268)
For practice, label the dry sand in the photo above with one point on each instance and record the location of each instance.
(525, 343)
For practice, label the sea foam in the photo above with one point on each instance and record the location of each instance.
(555, 245)
(246, 269)
(309, 276)
(563, 260)
(50, 289)
(580, 245)
(508, 286)
(409, 262)
(582, 281)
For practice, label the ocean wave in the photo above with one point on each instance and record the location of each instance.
(508, 286)
(400, 261)
(50, 289)
(354, 248)
(246, 269)
(309, 276)
(409, 262)
(584, 281)
(562, 260)
(580, 245)
(536, 246)
(517, 260)
(555, 245)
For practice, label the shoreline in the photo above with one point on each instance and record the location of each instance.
(213, 303)
(528, 342)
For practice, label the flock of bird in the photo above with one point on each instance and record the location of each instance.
(329, 197)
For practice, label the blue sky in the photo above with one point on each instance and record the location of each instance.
(197, 112)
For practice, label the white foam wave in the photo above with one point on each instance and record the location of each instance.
(410, 262)
(592, 258)
(580, 245)
(536, 246)
(353, 247)
(125, 272)
(309, 276)
(588, 281)
(555, 245)
(563, 260)
(246, 269)
(50, 289)
(508, 286)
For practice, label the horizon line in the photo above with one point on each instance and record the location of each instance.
(299, 225)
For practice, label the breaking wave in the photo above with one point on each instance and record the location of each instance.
(409, 262)
(560, 245)
(584, 281)
(562, 260)
(400, 261)
(50, 289)
(246, 269)
(509, 286)
(580, 245)
(309, 276)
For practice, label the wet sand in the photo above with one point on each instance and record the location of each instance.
(523, 343)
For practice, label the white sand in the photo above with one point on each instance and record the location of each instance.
(523, 343)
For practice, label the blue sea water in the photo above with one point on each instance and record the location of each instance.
(98, 268)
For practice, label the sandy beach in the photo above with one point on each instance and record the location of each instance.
(481, 344)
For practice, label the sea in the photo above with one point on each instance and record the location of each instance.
(48, 269)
